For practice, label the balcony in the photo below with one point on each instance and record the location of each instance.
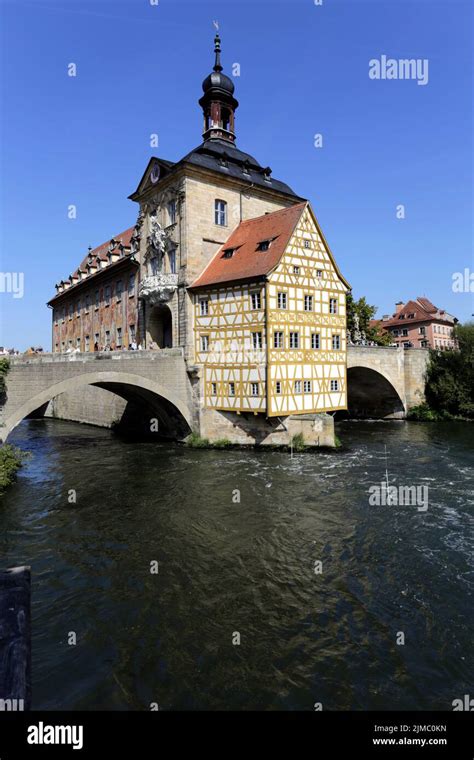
(157, 288)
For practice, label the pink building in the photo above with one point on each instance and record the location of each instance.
(419, 324)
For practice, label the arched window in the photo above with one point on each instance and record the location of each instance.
(220, 213)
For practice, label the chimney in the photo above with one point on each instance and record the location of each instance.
(399, 306)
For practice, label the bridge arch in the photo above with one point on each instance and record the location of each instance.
(372, 393)
(167, 405)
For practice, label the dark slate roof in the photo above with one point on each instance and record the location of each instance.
(225, 158)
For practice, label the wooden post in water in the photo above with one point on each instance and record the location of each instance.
(15, 639)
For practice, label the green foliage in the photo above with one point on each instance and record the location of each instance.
(422, 413)
(337, 442)
(11, 459)
(4, 367)
(297, 442)
(450, 376)
(365, 312)
(195, 441)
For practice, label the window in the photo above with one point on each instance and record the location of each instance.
(307, 244)
(333, 305)
(297, 386)
(422, 330)
(307, 386)
(296, 270)
(336, 342)
(220, 213)
(204, 342)
(119, 337)
(294, 340)
(64, 313)
(107, 295)
(282, 300)
(278, 387)
(277, 340)
(63, 345)
(172, 260)
(308, 303)
(154, 265)
(231, 389)
(228, 253)
(411, 316)
(315, 341)
(96, 340)
(405, 332)
(87, 303)
(97, 299)
(256, 301)
(71, 310)
(264, 245)
(204, 307)
(78, 343)
(334, 385)
(87, 343)
(132, 332)
(257, 340)
(172, 212)
(131, 284)
(254, 389)
(78, 308)
(395, 333)
(70, 343)
(319, 273)
(56, 347)
(107, 337)
(213, 389)
(118, 290)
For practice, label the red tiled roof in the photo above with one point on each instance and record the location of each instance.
(102, 249)
(248, 262)
(423, 311)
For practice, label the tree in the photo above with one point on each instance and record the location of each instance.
(365, 312)
(450, 376)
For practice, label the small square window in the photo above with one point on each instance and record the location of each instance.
(254, 389)
(319, 273)
(334, 385)
(231, 389)
(278, 387)
(296, 270)
(307, 244)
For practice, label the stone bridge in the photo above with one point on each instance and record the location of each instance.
(383, 382)
(155, 379)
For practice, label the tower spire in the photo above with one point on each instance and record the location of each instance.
(218, 102)
(217, 51)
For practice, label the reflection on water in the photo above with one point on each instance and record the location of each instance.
(247, 567)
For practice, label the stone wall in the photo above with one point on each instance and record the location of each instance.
(93, 406)
(251, 429)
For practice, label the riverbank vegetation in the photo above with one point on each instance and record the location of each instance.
(450, 381)
(4, 367)
(11, 459)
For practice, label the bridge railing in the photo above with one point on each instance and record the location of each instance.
(95, 356)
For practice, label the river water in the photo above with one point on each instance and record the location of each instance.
(230, 569)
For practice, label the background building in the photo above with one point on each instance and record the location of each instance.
(419, 324)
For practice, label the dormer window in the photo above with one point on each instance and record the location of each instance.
(264, 245)
(228, 253)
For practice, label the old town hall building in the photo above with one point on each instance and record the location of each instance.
(226, 262)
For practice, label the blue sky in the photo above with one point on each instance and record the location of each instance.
(304, 70)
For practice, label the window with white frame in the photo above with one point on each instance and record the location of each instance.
(204, 342)
(254, 389)
(315, 341)
(308, 303)
(282, 300)
(307, 386)
(204, 307)
(334, 385)
(294, 340)
(119, 337)
(257, 340)
(336, 342)
(297, 386)
(333, 305)
(220, 213)
(296, 270)
(277, 339)
(256, 300)
(319, 273)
